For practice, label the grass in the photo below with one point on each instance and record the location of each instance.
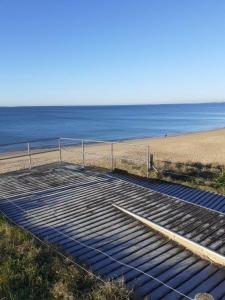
(31, 270)
(204, 177)
(216, 185)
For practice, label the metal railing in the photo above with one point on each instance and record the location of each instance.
(92, 149)
(83, 152)
(135, 158)
(22, 154)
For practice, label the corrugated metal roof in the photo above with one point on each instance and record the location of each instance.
(203, 198)
(74, 210)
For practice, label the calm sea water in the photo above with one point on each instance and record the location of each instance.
(107, 122)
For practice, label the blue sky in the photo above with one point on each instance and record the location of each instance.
(78, 52)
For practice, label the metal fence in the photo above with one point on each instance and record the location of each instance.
(134, 158)
(25, 155)
(107, 155)
(83, 152)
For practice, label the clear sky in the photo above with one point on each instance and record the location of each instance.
(74, 52)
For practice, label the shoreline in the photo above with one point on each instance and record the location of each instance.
(114, 140)
(205, 147)
(168, 135)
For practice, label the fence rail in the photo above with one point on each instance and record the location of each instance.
(84, 152)
(94, 152)
(134, 158)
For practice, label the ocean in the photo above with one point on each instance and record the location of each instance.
(19, 124)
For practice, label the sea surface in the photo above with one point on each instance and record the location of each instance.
(107, 122)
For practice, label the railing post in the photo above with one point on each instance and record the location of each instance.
(112, 158)
(148, 153)
(83, 158)
(29, 155)
(60, 151)
(151, 162)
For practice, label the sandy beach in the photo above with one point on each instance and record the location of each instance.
(206, 147)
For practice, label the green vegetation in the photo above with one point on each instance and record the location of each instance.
(219, 183)
(31, 270)
(215, 182)
(216, 185)
(196, 175)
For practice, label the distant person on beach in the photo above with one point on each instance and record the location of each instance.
(165, 135)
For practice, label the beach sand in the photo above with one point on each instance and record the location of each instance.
(206, 147)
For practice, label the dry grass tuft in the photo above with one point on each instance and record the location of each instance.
(30, 270)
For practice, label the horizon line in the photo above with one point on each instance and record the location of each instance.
(127, 104)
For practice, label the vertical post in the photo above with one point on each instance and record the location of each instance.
(148, 153)
(151, 162)
(83, 161)
(60, 151)
(29, 155)
(112, 159)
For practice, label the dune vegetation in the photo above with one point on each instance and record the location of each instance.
(32, 270)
